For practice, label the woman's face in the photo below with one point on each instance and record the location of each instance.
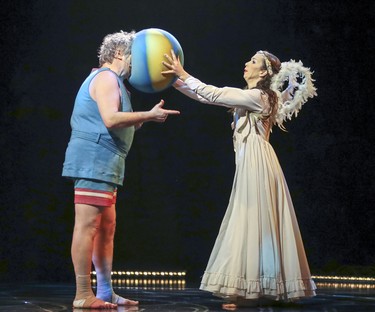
(254, 68)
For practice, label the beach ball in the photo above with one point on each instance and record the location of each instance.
(148, 49)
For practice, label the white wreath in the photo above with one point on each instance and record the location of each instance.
(296, 93)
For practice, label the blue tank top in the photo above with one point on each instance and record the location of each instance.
(94, 151)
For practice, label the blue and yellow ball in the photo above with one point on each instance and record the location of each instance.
(148, 49)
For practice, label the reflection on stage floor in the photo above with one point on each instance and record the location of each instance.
(177, 296)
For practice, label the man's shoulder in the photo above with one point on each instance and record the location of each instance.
(105, 77)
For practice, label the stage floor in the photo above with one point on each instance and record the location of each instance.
(58, 297)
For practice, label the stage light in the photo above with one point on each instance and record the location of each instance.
(170, 280)
(346, 282)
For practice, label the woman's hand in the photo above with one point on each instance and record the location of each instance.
(174, 66)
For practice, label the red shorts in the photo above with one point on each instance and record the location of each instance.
(94, 193)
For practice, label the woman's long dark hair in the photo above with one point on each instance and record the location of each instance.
(265, 83)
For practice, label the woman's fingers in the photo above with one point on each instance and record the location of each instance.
(168, 57)
(167, 64)
(173, 55)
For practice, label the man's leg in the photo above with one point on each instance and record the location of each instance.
(87, 220)
(103, 258)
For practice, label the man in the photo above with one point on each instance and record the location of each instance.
(103, 125)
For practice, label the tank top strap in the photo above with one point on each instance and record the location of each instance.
(125, 94)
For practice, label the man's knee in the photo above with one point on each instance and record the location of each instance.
(108, 226)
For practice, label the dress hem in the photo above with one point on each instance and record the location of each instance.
(230, 287)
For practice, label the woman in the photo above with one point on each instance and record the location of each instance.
(103, 125)
(258, 253)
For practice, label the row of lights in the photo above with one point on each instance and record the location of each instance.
(345, 278)
(346, 285)
(146, 279)
(144, 282)
(146, 274)
(352, 282)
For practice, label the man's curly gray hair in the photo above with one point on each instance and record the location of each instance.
(112, 42)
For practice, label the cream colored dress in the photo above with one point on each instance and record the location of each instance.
(258, 251)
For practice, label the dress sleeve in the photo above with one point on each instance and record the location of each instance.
(227, 96)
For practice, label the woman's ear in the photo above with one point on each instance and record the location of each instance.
(263, 73)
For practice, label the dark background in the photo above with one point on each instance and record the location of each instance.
(179, 174)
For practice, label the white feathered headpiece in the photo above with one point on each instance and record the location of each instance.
(300, 88)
